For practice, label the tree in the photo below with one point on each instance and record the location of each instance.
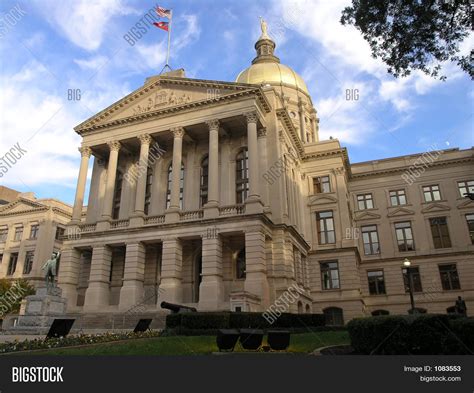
(413, 34)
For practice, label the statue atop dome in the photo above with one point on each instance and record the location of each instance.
(264, 27)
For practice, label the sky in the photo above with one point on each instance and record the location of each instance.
(54, 52)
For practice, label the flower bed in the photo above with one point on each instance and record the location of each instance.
(74, 340)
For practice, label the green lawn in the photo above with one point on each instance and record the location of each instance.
(192, 345)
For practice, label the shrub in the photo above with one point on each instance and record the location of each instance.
(173, 320)
(427, 334)
(205, 320)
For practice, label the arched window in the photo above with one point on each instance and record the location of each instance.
(204, 180)
(240, 264)
(242, 176)
(334, 316)
(300, 308)
(380, 312)
(181, 186)
(308, 309)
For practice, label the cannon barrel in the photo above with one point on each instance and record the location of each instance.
(177, 308)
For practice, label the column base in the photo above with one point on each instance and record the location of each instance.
(131, 294)
(253, 205)
(102, 225)
(97, 296)
(211, 294)
(171, 291)
(172, 215)
(137, 220)
(211, 210)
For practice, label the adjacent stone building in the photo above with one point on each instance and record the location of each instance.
(30, 230)
(220, 195)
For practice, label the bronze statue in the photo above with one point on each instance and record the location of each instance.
(460, 306)
(50, 267)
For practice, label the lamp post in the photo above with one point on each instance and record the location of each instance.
(407, 265)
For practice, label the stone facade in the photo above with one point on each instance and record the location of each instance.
(220, 195)
(30, 230)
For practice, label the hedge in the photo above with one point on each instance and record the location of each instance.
(427, 334)
(212, 321)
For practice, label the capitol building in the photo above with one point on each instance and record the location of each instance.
(221, 196)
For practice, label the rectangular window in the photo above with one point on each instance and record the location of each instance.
(3, 234)
(449, 277)
(371, 240)
(28, 262)
(431, 193)
(415, 278)
(470, 226)
(149, 182)
(465, 187)
(34, 231)
(59, 233)
(117, 195)
(398, 198)
(439, 231)
(330, 275)
(12, 264)
(376, 282)
(404, 236)
(18, 234)
(365, 201)
(321, 184)
(326, 234)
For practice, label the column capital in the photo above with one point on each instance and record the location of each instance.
(251, 117)
(85, 151)
(178, 132)
(262, 132)
(145, 139)
(114, 145)
(213, 124)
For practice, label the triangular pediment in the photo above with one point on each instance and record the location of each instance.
(435, 207)
(366, 215)
(467, 204)
(401, 211)
(321, 199)
(21, 206)
(166, 93)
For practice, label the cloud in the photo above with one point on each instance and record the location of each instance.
(83, 22)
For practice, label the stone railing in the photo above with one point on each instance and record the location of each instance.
(155, 220)
(119, 224)
(83, 228)
(231, 210)
(191, 215)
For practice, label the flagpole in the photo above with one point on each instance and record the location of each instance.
(169, 40)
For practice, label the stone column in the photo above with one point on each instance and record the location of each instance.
(81, 183)
(211, 208)
(114, 147)
(178, 133)
(211, 289)
(256, 269)
(315, 129)
(145, 141)
(132, 291)
(301, 106)
(253, 201)
(98, 292)
(171, 271)
(68, 277)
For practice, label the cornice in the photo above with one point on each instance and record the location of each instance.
(402, 169)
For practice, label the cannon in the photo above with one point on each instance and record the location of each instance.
(177, 308)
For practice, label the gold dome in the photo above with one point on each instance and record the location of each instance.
(274, 74)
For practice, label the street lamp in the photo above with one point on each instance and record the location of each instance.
(407, 264)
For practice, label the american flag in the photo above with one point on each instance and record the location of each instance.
(164, 13)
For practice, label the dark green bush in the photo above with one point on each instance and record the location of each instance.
(173, 320)
(427, 334)
(211, 320)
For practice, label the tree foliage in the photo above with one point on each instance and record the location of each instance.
(414, 34)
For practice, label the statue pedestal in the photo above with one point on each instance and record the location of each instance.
(40, 311)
